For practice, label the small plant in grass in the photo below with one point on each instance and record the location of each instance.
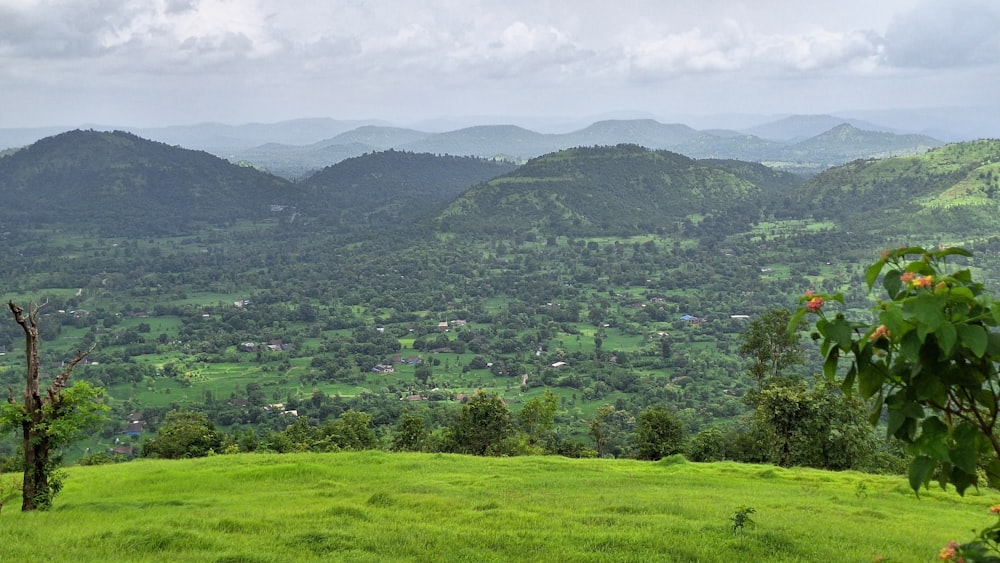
(741, 520)
(861, 490)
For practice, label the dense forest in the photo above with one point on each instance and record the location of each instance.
(402, 300)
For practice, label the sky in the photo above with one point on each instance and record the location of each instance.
(171, 62)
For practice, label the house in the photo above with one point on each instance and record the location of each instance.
(443, 326)
(383, 368)
(134, 428)
(414, 360)
(558, 365)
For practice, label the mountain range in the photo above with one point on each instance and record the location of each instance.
(119, 183)
(294, 149)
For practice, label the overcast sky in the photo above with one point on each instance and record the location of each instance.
(163, 62)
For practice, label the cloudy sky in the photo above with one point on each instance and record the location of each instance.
(162, 62)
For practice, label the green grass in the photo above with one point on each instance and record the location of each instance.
(376, 506)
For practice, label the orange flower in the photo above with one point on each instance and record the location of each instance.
(995, 509)
(907, 277)
(814, 304)
(881, 332)
(949, 551)
(810, 293)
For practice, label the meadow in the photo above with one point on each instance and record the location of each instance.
(379, 506)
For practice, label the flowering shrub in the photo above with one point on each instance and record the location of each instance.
(984, 549)
(929, 359)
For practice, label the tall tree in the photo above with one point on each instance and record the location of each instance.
(48, 422)
(770, 346)
(658, 434)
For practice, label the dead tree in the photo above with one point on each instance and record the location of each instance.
(47, 422)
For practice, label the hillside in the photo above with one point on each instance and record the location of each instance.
(953, 191)
(622, 190)
(119, 183)
(375, 506)
(845, 142)
(381, 190)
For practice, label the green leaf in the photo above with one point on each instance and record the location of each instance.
(920, 471)
(838, 330)
(963, 454)
(927, 309)
(993, 473)
(847, 386)
(933, 441)
(892, 283)
(830, 364)
(871, 377)
(871, 275)
(974, 337)
(946, 338)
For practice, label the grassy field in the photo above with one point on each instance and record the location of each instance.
(377, 506)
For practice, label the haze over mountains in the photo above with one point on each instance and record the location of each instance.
(293, 149)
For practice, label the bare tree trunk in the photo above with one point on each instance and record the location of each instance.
(36, 490)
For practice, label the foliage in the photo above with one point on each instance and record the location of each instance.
(742, 520)
(184, 434)
(411, 433)
(985, 548)
(483, 424)
(929, 359)
(658, 433)
(819, 427)
(770, 346)
(611, 429)
(536, 416)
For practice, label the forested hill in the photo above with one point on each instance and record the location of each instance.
(953, 191)
(621, 190)
(381, 190)
(118, 183)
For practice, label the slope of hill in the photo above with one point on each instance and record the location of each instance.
(954, 189)
(618, 190)
(380, 190)
(120, 183)
(485, 141)
(845, 142)
(795, 128)
(376, 506)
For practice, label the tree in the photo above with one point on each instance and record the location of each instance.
(770, 346)
(819, 427)
(351, 431)
(482, 426)
(929, 360)
(658, 434)
(184, 434)
(50, 422)
(535, 418)
(411, 433)
(610, 430)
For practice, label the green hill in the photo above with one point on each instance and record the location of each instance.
(380, 191)
(375, 506)
(953, 190)
(122, 184)
(621, 190)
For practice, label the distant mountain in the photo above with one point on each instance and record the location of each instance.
(953, 190)
(797, 128)
(845, 142)
(118, 183)
(621, 190)
(381, 190)
(643, 132)
(518, 143)
(486, 141)
(225, 140)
